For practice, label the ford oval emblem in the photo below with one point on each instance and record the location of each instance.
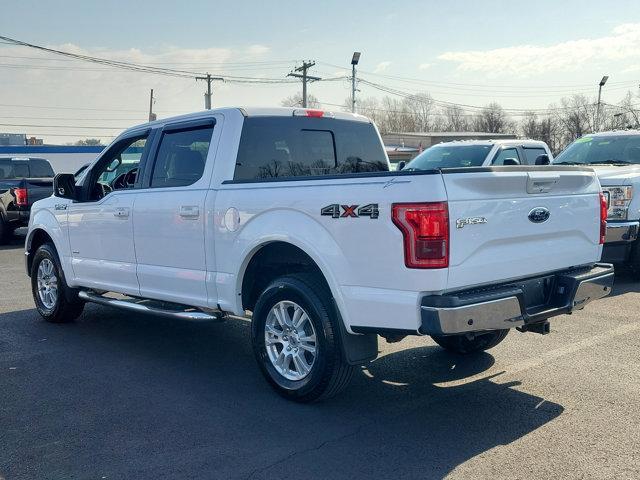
(539, 215)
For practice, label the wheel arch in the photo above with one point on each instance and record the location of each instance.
(44, 227)
(270, 260)
(265, 263)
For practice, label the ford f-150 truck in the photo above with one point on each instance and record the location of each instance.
(615, 157)
(23, 181)
(290, 217)
(478, 153)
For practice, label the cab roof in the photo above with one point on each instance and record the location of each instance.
(257, 112)
(507, 141)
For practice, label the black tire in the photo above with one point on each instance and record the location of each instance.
(329, 373)
(6, 233)
(634, 260)
(466, 344)
(67, 306)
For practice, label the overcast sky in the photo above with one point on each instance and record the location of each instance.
(522, 54)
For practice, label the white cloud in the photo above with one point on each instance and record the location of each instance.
(632, 68)
(424, 66)
(621, 44)
(45, 85)
(258, 50)
(381, 67)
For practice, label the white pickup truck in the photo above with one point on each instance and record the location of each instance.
(615, 157)
(479, 153)
(290, 217)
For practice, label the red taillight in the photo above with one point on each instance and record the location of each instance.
(603, 218)
(21, 197)
(425, 228)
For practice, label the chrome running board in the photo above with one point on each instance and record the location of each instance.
(153, 307)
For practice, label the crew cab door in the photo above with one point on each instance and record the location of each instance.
(169, 215)
(100, 223)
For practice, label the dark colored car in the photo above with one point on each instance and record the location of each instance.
(23, 181)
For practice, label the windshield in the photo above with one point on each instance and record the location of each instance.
(609, 149)
(450, 156)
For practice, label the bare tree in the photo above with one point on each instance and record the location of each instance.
(576, 115)
(455, 120)
(421, 110)
(544, 128)
(493, 119)
(296, 101)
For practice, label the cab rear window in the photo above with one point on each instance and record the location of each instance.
(281, 147)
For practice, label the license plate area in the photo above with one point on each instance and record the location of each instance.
(537, 292)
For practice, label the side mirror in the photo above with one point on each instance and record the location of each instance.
(401, 165)
(511, 161)
(64, 186)
(543, 159)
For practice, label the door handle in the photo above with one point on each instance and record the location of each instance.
(189, 211)
(121, 212)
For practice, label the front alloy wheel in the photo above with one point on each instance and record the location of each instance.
(55, 301)
(47, 284)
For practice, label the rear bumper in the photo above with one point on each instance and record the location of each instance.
(18, 218)
(618, 232)
(515, 304)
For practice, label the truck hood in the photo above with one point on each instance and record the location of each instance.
(617, 175)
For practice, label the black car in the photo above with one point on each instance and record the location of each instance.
(23, 181)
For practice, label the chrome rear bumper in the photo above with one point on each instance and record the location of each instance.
(621, 232)
(515, 304)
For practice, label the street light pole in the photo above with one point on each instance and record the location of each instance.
(600, 85)
(354, 61)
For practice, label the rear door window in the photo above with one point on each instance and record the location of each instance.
(505, 153)
(531, 154)
(281, 147)
(181, 157)
(40, 168)
(12, 169)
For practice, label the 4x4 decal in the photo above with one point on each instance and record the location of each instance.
(354, 211)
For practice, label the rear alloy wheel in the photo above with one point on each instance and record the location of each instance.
(290, 340)
(466, 343)
(54, 300)
(296, 339)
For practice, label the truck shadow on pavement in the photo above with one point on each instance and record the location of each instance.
(122, 396)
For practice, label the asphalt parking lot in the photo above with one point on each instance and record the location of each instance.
(121, 396)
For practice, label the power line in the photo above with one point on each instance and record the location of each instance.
(304, 68)
(447, 83)
(142, 68)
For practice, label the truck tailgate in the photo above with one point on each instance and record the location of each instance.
(507, 223)
(38, 188)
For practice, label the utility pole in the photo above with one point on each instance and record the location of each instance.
(600, 85)
(152, 116)
(305, 78)
(207, 96)
(354, 61)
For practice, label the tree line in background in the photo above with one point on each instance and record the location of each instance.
(558, 125)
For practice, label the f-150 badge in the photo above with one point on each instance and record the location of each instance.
(336, 210)
(461, 222)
